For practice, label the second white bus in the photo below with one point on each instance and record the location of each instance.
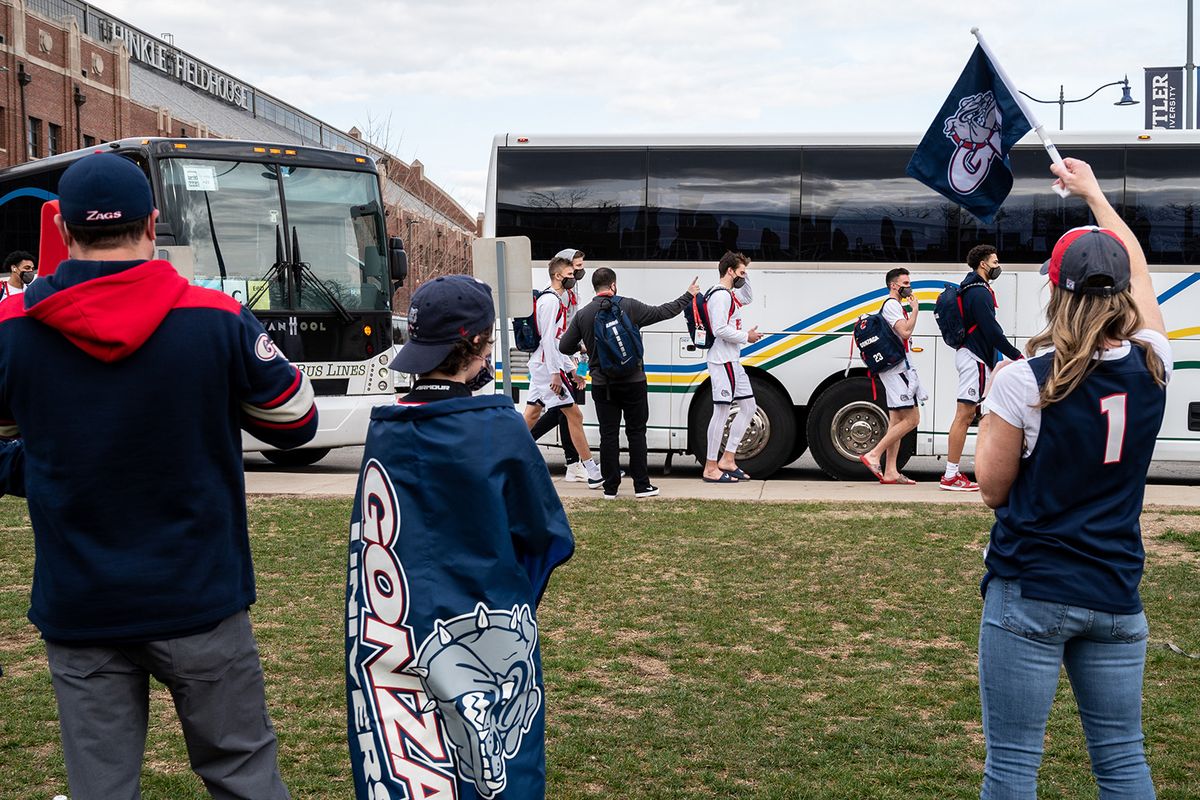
(823, 218)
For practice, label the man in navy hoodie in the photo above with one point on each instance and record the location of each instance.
(455, 530)
(129, 389)
(975, 359)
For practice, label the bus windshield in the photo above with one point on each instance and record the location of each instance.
(239, 217)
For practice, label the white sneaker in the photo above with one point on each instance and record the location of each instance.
(576, 473)
(608, 496)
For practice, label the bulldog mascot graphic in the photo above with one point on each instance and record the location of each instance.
(975, 130)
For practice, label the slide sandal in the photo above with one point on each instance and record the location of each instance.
(903, 480)
(725, 478)
(875, 470)
(737, 474)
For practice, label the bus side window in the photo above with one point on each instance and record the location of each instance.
(1162, 195)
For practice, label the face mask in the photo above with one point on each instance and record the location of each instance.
(568, 283)
(579, 274)
(486, 375)
(739, 283)
(994, 272)
(27, 277)
(906, 291)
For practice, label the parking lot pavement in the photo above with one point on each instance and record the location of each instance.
(1171, 484)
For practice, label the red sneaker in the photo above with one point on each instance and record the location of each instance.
(959, 483)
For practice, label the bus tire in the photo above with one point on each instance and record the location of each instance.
(769, 440)
(303, 457)
(844, 423)
(800, 445)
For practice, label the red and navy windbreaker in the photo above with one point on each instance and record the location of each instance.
(129, 389)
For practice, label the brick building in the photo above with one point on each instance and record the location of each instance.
(73, 76)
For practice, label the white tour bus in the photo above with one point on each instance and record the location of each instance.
(296, 233)
(823, 218)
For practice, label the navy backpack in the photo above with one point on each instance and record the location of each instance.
(698, 323)
(879, 345)
(526, 337)
(618, 350)
(948, 312)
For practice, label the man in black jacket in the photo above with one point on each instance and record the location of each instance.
(977, 356)
(628, 394)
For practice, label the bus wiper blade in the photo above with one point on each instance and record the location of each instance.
(303, 271)
(212, 230)
(276, 271)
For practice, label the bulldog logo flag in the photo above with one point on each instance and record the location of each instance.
(447, 560)
(964, 154)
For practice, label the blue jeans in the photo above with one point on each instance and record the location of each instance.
(1022, 644)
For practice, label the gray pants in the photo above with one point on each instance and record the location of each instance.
(216, 682)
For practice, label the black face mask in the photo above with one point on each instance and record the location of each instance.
(994, 272)
(27, 277)
(739, 283)
(579, 274)
(905, 291)
(568, 283)
(486, 375)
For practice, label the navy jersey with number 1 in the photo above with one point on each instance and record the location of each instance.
(1070, 530)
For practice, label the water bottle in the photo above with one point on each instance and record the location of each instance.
(582, 369)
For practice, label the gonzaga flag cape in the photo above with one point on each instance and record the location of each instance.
(964, 154)
(455, 530)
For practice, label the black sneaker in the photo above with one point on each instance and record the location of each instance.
(649, 491)
(608, 496)
(595, 483)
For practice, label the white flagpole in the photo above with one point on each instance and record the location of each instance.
(1025, 109)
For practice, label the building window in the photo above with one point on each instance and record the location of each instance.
(3, 128)
(54, 140)
(89, 141)
(33, 138)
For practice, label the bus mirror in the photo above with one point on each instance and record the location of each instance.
(397, 260)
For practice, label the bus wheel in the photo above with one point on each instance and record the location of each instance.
(844, 423)
(770, 437)
(304, 457)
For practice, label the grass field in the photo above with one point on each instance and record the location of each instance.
(691, 650)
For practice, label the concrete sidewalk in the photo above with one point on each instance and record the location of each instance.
(692, 488)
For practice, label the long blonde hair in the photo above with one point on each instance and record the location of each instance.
(1077, 326)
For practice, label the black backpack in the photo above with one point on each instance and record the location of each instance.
(698, 323)
(618, 343)
(880, 347)
(948, 312)
(526, 337)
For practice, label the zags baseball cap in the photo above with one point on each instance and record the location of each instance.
(103, 189)
(1089, 260)
(443, 312)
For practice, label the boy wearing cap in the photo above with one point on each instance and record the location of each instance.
(575, 473)
(455, 506)
(136, 494)
(551, 372)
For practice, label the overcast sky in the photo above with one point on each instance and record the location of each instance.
(449, 75)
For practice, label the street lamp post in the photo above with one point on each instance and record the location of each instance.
(1126, 99)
